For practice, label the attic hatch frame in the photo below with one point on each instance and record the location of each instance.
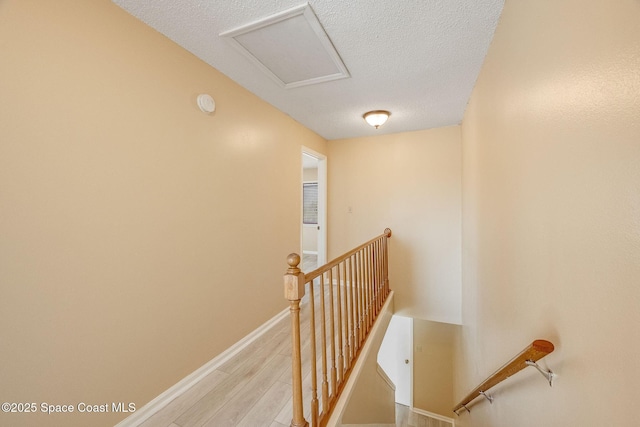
(314, 24)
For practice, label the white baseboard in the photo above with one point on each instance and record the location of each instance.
(146, 411)
(385, 377)
(436, 416)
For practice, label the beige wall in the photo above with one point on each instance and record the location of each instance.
(433, 356)
(128, 236)
(409, 182)
(551, 214)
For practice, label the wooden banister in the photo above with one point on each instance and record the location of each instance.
(294, 291)
(527, 357)
(346, 315)
(317, 272)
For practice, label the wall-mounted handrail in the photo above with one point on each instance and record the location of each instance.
(527, 357)
(344, 297)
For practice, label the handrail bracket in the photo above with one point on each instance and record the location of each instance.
(463, 407)
(527, 357)
(548, 374)
(487, 396)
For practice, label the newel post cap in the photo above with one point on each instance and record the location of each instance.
(293, 279)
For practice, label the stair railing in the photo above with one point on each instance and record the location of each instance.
(344, 297)
(527, 357)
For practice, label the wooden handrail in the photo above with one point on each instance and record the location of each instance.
(534, 352)
(361, 281)
(317, 272)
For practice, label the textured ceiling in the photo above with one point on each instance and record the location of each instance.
(418, 59)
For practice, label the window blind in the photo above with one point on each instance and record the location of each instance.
(310, 203)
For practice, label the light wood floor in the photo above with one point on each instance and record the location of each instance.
(309, 263)
(253, 389)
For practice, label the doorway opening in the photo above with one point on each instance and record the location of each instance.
(395, 357)
(314, 216)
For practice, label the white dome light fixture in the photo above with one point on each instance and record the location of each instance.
(376, 118)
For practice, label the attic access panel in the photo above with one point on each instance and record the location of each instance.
(291, 47)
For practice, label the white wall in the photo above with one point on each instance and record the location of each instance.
(309, 238)
(310, 174)
(551, 215)
(396, 348)
(411, 183)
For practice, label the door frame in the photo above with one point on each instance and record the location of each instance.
(322, 202)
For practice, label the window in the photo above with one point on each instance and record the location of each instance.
(310, 203)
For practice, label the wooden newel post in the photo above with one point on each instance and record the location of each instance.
(385, 260)
(294, 291)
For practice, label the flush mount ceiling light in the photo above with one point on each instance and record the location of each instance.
(376, 118)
